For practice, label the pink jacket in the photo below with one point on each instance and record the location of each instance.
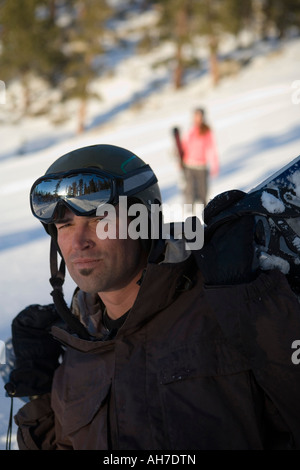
(200, 150)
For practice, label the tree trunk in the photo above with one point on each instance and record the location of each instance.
(178, 73)
(181, 32)
(81, 116)
(214, 63)
(52, 10)
(26, 94)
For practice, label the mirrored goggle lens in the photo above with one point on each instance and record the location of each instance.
(83, 193)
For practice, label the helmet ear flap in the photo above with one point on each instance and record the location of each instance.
(52, 231)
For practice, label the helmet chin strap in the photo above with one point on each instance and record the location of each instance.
(57, 279)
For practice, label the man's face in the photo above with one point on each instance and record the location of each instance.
(198, 118)
(94, 264)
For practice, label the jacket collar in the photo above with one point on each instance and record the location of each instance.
(161, 283)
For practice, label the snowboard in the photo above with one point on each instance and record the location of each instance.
(178, 145)
(275, 205)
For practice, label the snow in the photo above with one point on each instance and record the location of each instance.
(295, 180)
(267, 262)
(296, 243)
(255, 117)
(272, 203)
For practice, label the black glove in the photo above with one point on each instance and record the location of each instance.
(228, 255)
(36, 351)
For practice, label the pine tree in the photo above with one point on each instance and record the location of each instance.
(282, 14)
(235, 15)
(183, 20)
(29, 39)
(174, 26)
(84, 43)
(216, 17)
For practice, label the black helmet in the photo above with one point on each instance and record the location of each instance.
(133, 178)
(117, 171)
(109, 158)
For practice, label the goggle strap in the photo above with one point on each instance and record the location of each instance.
(57, 280)
(57, 275)
(140, 181)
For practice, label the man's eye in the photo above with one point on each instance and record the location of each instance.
(60, 227)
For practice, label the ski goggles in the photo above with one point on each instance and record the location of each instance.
(84, 190)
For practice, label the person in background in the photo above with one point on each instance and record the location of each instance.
(200, 159)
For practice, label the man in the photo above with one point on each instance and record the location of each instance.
(158, 352)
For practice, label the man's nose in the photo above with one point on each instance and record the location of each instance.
(82, 237)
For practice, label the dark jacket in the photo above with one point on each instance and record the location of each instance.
(193, 367)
